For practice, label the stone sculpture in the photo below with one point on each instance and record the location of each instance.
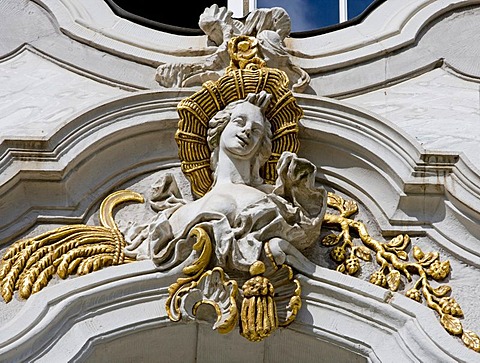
(252, 228)
(241, 212)
(257, 205)
(269, 27)
(256, 209)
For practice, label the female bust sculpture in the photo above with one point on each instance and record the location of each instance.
(240, 212)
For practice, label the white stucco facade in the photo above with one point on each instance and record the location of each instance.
(392, 120)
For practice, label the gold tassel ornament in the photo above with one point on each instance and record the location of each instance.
(259, 313)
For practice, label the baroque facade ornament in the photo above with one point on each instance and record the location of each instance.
(268, 27)
(238, 245)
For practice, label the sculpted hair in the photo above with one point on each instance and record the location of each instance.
(218, 123)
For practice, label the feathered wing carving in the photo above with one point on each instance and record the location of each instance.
(29, 264)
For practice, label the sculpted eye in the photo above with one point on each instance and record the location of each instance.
(239, 121)
(257, 130)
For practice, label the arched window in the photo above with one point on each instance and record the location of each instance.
(308, 15)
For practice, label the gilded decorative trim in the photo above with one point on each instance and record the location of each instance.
(394, 262)
(29, 264)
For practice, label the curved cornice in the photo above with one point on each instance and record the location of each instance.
(93, 22)
(57, 322)
(390, 26)
(116, 141)
(408, 189)
(393, 25)
(92, 153)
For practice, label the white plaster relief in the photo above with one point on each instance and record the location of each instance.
(87, 311)
(390, 26)
(370, 176)
(350, 140)
(328, 331)
(38, 96)
(440, 110)
(94, 23)
(130, 300)
(404, 193)
(449, 40)
(109, 143)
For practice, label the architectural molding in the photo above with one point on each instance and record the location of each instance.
(400, 27)
(93, 22)
(133, 135)
(121, 139)
(408, 189)
(56, 168)
(364, 42)
(129, 299)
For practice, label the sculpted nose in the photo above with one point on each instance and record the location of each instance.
(247, 131)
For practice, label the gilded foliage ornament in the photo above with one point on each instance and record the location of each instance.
(254, 288)
(394, 263)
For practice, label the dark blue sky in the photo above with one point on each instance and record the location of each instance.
(314, 14)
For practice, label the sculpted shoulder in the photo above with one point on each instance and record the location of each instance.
(227, 199)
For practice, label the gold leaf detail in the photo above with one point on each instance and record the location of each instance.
(414, 294)
(203, 247)
(341, 268)
(471, 340)
(397, 241)
(350, 208)
(335, 201)
(352, 265)
(451, 324)
(196, 110)
(402, 255)
(439, 270)
(427, 259)
(450, 306)
(259, 312)
(29, 264)
(330, 240)
(418, 253)
(363, 253)
(442, 290)
(393, 280)
(338, 254)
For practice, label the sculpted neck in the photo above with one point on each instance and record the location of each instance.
(233, 170)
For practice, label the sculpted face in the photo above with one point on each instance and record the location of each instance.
(243, 134)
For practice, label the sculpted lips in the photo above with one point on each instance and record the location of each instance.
(243, 140)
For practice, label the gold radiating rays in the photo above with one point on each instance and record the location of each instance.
(196, 111)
